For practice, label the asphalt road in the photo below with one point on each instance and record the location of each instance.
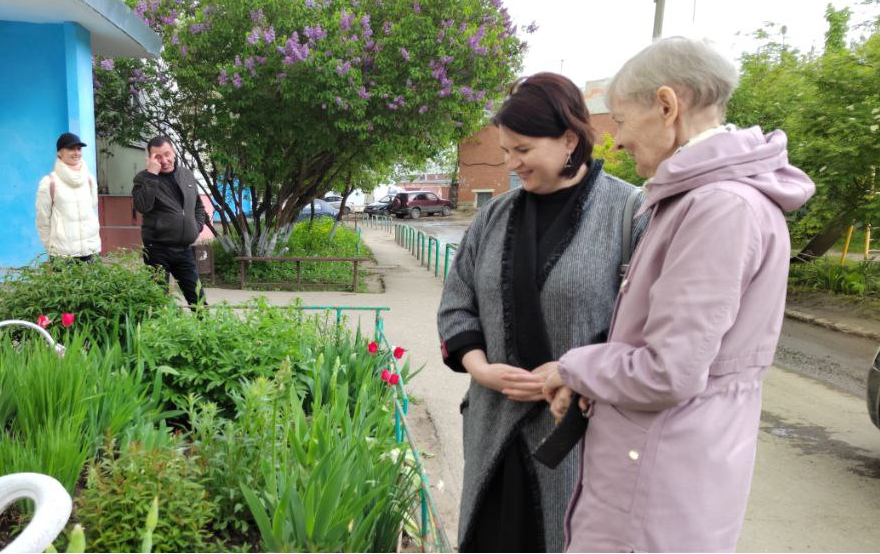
(835, 358)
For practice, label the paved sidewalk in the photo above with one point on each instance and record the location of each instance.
(413, 295)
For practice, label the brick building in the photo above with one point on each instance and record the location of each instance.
(438, 183)
(482, 173)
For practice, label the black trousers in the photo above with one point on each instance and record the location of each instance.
(509, 518)
(179, 261)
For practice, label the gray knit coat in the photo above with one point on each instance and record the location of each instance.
(577, 300)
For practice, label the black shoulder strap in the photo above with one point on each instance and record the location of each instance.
(626, 231)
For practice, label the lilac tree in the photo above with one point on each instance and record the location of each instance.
(282, 100)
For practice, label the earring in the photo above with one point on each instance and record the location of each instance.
(567, 161)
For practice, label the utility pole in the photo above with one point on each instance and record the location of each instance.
(659, 7)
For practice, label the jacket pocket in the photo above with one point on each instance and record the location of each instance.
(614, 449)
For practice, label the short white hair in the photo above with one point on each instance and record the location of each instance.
(690, 67)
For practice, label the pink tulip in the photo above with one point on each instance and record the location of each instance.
(386, 375)
(43, 321)
(394, 379)
(398, 353)
(67, 319)
(372, 348)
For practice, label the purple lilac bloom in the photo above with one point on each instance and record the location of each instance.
(293, 50)
(362, 92)
(141, 9)
(261, 60)
(184, 50)
(496, 4)
(345, 22)
(344, 68)
(446, 23)
(531, 28)
(197, 28)
(423, 109)
(256, 16)
(154, 5)
(462, 27)
(133, 90)
(168, 20)
(138, 76)
(458, 123)
(444, 92)
(223, 78)
(107, 64)
(314, 34)
(467, 92)
(480, 95)
(365, 25)
(237, 61)
(387, 28)
(474, 40)
(310, 3)
(254, 36)
(338, 101)
(490, 104)
(269, 34)
(281, 76)
(441, 35)
(249, 63)
(174, 39)
(416, 7)
(236, 80)
(96, 83)
(404, 53)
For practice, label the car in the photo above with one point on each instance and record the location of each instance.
(874, 390)
(350, 205)
(322, 209)
(418, 202)
(380, 207)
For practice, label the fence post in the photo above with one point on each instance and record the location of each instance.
(241, 274)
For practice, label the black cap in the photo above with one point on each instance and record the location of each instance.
(68, 140)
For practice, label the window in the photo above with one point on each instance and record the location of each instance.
(432, 197)
(422, 197)
(515, 181)
(482, 198)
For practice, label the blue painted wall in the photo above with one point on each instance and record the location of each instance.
(46, 90)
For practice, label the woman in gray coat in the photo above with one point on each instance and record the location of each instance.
(535, 275)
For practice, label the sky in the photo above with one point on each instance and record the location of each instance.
(590, 39)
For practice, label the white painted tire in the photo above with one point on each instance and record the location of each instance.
(52, 506)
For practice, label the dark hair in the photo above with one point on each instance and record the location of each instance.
(547, 105)
(156, 142)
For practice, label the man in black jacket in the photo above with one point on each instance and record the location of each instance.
(167, 194)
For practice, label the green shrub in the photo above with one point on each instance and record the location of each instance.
(825, 274)
(55, 412)
(119, 493)
(100, 295)
(210, 354)
(306, 240)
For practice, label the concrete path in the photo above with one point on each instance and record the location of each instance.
(413, 295)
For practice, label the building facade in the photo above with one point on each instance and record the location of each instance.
(46, 49)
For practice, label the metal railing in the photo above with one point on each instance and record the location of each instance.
(423, 246)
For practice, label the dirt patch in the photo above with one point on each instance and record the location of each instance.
(850, 310)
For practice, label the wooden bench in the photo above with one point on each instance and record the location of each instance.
(245, 260)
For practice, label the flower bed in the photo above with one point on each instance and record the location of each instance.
(262, 429)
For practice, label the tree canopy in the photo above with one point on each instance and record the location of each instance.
(283, 99)
(829, 105)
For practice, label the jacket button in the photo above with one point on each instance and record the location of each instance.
(624, 285)
(633, 455)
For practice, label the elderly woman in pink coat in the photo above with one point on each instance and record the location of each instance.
(674, 396)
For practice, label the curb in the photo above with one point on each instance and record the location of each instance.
(833, 325)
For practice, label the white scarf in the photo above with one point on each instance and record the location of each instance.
(73, 177)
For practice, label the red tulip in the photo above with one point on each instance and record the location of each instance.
(372, 348)
(394, 379)
(398, 353)
(386, 374)
(67, 319)
(43, 321)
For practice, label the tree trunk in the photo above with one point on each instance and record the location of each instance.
(825, 239)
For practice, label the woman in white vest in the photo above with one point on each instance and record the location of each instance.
(67, 205)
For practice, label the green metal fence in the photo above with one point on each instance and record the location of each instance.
(424, 246)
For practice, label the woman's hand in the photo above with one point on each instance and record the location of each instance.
(514, 382)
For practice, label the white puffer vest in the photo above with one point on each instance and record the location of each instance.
(68, 219)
